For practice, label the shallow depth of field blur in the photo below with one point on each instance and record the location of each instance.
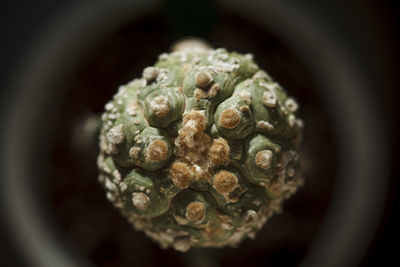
(77, 204)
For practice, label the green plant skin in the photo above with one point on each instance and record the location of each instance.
(143, 134)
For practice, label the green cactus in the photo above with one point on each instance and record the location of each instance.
(201, 150)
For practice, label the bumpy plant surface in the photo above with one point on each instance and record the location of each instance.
(201, 150)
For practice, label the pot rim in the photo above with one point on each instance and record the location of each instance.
(358, 125)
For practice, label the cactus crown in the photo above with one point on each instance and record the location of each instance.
(201, 150)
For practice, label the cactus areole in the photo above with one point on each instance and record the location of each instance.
(201, 150)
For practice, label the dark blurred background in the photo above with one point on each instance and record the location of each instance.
(69, 188)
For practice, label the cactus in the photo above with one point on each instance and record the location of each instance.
(201, 150)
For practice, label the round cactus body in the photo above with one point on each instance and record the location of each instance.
(201, 150)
